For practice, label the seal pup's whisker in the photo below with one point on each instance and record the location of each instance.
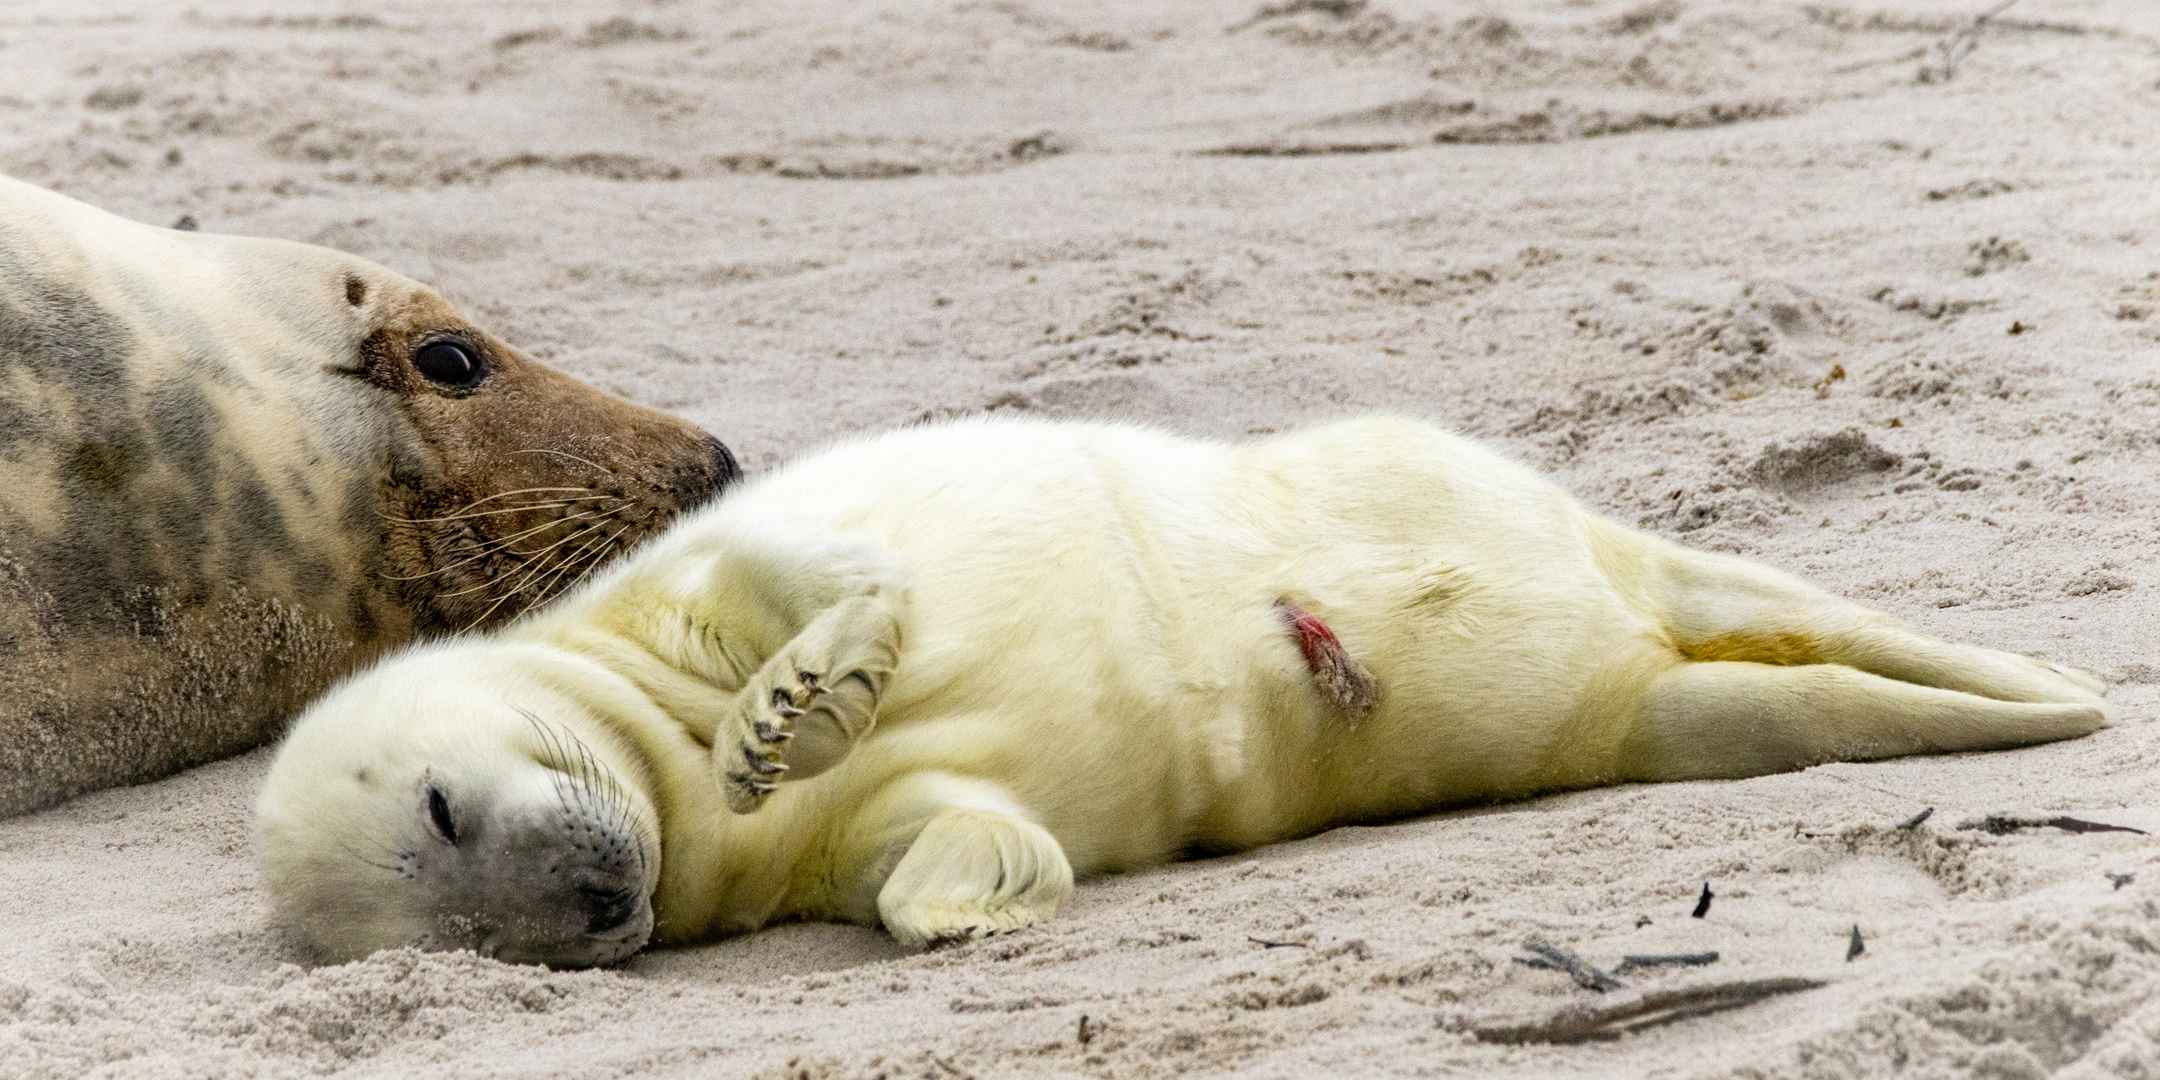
(587, 781)
(386, 849)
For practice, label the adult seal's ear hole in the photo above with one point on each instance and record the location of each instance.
(355, 290)
(448, 363)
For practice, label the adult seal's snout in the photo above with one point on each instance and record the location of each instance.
(239, 468)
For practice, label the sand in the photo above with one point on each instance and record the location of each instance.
(1756, 276)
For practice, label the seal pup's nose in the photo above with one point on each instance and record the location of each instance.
(606, 908)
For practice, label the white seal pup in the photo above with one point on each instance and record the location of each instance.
(238, 468)
(924, 680)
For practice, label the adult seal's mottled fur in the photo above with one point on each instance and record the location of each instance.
(238, 468)
(1006, 653)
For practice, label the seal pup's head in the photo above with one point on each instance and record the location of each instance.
(460, 797)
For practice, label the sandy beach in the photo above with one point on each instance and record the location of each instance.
(1812, 283)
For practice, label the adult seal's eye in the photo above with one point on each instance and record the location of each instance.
(447, 363)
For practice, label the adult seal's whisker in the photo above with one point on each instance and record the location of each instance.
(514, 508)
(571, 456)
(529, 563)
(495, 547)
(561, 578)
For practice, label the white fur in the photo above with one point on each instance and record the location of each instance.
(1068, 640)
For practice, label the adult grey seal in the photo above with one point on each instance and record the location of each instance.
(238, 468)
(925, 680)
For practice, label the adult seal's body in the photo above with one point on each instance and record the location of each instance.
(987, 657)
(238, 468)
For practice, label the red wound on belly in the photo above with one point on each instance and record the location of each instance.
(1335, 671)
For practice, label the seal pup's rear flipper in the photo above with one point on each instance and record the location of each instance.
(1718, 720)
(1721, 608)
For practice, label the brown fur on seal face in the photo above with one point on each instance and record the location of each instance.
(238, 468)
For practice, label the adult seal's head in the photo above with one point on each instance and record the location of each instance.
(239, 468)
(463, 798)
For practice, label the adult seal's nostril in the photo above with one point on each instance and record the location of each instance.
(605, 908)
(725, 471)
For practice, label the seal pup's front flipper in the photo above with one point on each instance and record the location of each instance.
(748, 631)
(811, 701)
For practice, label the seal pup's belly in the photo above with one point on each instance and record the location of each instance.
(1091, 625)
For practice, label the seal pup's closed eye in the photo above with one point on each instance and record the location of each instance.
(923, 680)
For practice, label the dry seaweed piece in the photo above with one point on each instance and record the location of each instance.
(1651, 1008)
(1702, 906)
(1678, 959)
(1855, 946)
(1554, 958)
(2005, 824)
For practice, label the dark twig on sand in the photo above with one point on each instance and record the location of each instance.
(1856, 945)
(1264, 943)
(1913, 822)
(1958, 44)
(1702, 906)
(1554, 958)
(2005, 824)
(1584, 1023)
(1651, 960)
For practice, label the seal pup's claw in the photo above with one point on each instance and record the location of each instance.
(831, 673)
(746, 792)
